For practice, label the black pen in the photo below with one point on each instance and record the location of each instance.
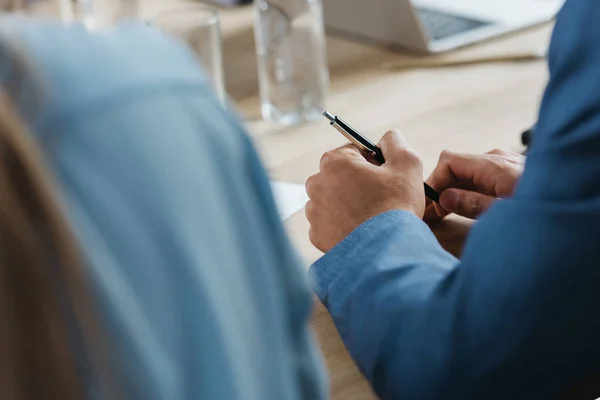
(369, 147)
(526, 136)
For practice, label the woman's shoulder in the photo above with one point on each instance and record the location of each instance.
(69, 66)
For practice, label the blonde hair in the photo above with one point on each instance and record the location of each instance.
(45, 306)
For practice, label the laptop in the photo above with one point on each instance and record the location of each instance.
(434, 26)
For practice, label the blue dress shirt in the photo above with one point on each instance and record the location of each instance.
(198, 285)
(517, 317)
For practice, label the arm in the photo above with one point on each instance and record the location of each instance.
(515, 318)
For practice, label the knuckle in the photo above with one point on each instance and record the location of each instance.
(394, 136)
(447, 155)
(342, 152)
(498, 152)
(327, 158)
(388, 137)
(499, 162)
(349, 150)
(477, 205)
(314, 237)
(311, 235)
(309, 211)
(310, 185)
(412, 157)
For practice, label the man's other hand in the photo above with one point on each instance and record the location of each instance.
(468, 183)
(349, 190)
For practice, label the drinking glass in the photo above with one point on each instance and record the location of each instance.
(200, 27)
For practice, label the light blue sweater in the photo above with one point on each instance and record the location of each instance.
(197, 281)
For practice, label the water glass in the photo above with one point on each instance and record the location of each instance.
(200, 27)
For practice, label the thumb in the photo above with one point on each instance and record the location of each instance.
(395, 147)
(465, 202)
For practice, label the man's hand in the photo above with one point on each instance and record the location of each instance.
(469, 183)
(349, 190)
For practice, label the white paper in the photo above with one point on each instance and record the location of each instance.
(289, 198)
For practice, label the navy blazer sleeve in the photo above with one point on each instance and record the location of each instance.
(517, 317)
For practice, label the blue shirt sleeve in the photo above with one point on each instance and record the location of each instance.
(516, 316)
(201, 293)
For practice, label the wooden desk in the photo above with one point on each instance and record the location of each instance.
(471, 109)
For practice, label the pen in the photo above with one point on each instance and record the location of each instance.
(527, 136)
(369, 147)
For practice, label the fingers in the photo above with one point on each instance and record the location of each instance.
(311, 186)
(476, 171)
(498, 152)
(443, 175)
(394, 146)
(349, 147)
(393, 140)
(465, 203)
(397, 151)
(434, 213)
(348, 152)
(470, 183)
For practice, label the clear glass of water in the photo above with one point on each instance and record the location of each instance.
(292, 62)
(200, 27)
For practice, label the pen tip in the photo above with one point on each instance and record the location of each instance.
(328, 116)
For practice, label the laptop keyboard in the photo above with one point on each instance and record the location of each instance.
(440, 25)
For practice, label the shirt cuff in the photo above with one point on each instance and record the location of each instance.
(399, 235)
